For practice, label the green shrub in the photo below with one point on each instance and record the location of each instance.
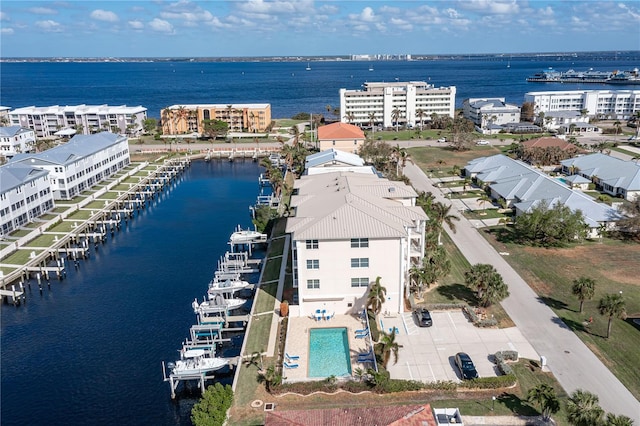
(211, 410)
(394, 385)
(490, 382)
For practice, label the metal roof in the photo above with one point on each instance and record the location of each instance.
(613, 171)
(14, 175)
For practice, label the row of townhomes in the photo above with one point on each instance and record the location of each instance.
(522, 188)
(404, 103)
(349, 227)
(52, 121)
(16, 139)
(29, 183)
(189, 119)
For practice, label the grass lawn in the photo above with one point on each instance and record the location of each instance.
(20, 233)
(80, 215)
(60, 209)
(45, 240)
(485, 214)
(613, 265)
(432, 159)
(19, 257)
(469, 194)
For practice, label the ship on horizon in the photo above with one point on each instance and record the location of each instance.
(590, 76)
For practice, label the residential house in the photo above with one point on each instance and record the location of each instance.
(347, 229)
(333, 160)
(567, 120)
(613, 176)
(489, 113)
(25, 194)
(16, 139)
(386, 104)
(80, 163)
(191, 119)
(341, 136)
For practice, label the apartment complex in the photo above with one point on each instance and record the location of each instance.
(348, 229)
(405, 103)
(186, 119)
(25, 193)
(16, 139)
(609, 104)
(485, 112)
(80, 163)
(85, 119)
(341, 136)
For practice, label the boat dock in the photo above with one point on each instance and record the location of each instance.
(82, 226)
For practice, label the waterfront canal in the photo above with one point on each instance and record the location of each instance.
(89, 350)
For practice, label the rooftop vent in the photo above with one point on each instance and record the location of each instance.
(392, 189)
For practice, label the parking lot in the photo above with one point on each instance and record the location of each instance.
(427, 353)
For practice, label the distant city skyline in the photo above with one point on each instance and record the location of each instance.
(183, 28)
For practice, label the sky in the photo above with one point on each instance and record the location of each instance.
(236, 28)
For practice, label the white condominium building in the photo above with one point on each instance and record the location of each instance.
(611, 104)
(86, 119)
(25, 193)
(490, 111)
(16, 139)
(80, 163)
(348, 229)
(404, 102)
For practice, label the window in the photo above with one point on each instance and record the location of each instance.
(359, 282)
(313, 264)
(360, 262)
(313, 283)
(359, 242)
(312, 244)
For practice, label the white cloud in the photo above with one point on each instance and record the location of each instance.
(104, 15)
(452, 13)
(367, 15)
(495, 7)
(136, 25)
(217, 23)
(42, 11)
(4, 16)
(161, 26)
(275, 7)
(49, 26)
(401, 24)
(6, 31)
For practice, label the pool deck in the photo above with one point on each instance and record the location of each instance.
(298, 343)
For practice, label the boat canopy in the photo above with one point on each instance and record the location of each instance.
(194, 353)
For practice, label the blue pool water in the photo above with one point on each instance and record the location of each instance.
(329, 352)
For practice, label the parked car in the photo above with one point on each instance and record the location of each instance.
(482, 142)
(442, 140)
(466, 367)
(633, 138)
(423, 317)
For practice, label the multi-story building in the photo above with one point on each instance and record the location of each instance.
(86, 119)
(25, 193)
(80, 163)
(348, 229)
(405, 103)
(16, 139)
(485, 112)
(341, 136)
(607, 104)
(185, 119)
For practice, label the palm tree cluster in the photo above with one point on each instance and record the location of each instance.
(487, 283)
(545, 156)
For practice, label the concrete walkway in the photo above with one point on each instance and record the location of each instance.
(572, 363)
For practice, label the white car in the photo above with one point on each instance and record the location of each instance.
(482, 142)
(442, 140)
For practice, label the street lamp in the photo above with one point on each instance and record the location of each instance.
(493, 402)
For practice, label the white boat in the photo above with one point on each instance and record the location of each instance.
(216, 304)
(195, 361)
(227, 286)
(370, 67)
(245, 236)
(308, 67)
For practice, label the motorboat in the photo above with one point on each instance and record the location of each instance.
(246, 236)
(217, 304)
(228, 285)
(194, 362)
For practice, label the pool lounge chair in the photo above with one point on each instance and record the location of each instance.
(328, 315)
(318, 315)
(291, 357)
(362, 335)
(364, 330)
(364, 359)
(288, 365)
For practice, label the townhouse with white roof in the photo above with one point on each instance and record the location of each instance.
(16, 139)
(80, 163)
(613, 176)
(48, 120)
(347, 229)
(523, 188)
(25, 193)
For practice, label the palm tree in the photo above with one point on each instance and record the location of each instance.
(255, 359)
(584, 288)
(440, 214)
(487, 283)
(613, 420)
(544, 396)
(425, 200)
(483, 199)
(612, 305)
(388, 346)
(295, 131)
(395, 116)
(181, 116)
(420, 115)
(583, 409)
(350, 116)
(617, 124)
(372, 119)
(269, 377)
(376, 296)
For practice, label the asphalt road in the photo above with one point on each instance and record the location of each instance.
(572, 363)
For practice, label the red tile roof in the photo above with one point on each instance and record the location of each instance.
(547, 142)
(337, 131)
(403, 415)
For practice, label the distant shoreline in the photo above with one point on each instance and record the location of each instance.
(596, 55)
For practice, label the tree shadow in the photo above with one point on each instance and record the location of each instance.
(503, 234)
(457, 292)
(517, 405)
(574, 326)
(634, 321)
(554, 303)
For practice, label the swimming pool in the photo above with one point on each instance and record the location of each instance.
(329, 352)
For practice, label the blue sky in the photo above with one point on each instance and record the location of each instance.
(184, 28)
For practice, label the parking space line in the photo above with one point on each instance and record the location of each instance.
(451, 319)
(409, 369)
(433, 375)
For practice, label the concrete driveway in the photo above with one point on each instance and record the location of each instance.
(427, 352)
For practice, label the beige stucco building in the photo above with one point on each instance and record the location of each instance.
(186, 119)
(341, 136)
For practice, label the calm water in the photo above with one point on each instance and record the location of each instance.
(285, 85)
(89, 351)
